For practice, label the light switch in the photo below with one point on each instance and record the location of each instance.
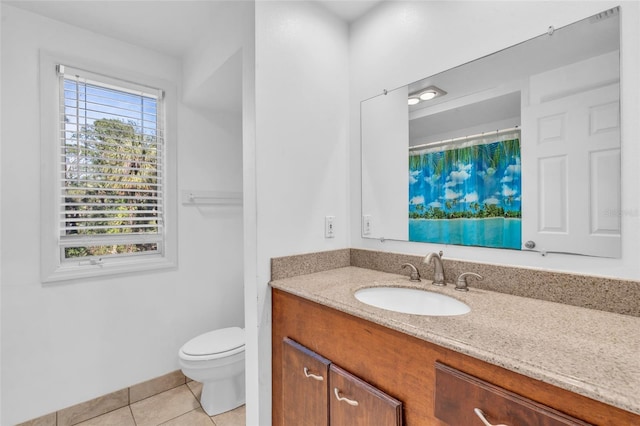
(329, 231)
(366, 224)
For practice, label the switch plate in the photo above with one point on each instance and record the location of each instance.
(329, 229)
(366, 224)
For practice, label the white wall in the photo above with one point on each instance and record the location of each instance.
(401, 42)
(302, 131)
(230, 30)
(69, 342)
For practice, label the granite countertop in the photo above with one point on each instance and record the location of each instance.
(589, 352)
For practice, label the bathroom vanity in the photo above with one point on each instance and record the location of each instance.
(512, 360)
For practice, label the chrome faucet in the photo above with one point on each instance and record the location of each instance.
(438, 275)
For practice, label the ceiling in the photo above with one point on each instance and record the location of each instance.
(573, 43)
(169, 27)
(166, 26)
(349, 10)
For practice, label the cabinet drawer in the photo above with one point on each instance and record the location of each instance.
(458, 395)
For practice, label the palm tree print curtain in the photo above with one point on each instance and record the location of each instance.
(467, 194)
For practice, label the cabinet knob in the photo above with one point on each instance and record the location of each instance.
(312, 376)
(480, 414)
(343, 399)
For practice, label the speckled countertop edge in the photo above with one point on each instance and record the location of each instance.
(586, 351)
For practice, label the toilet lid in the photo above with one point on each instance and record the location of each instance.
(215, 342)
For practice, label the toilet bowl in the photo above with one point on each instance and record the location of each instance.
(216, 359)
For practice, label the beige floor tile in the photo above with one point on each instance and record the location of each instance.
(120, 417)
(196, 388)
(164, 406)
(155, 386)
(192, 418)
(93, 408)
(235, 417)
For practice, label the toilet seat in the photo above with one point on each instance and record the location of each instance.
(214, 344)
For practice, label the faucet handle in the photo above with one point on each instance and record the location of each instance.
(415, 275)
(461, 282)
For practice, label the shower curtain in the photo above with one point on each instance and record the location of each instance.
(467, 192)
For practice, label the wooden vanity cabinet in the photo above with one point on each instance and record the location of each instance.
(405, 367)
(316, 392)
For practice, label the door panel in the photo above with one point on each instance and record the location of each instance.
(571, 176)
(305, 377)
(354, 402)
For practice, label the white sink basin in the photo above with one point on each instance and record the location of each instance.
(412, 301)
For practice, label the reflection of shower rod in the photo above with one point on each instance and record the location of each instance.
(463, 138)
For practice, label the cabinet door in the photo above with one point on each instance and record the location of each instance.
(462, 399)
(305, 377)
(357, 403)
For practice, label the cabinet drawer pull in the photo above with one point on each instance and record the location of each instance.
(480, 414)
(312, 376)
(343, 399)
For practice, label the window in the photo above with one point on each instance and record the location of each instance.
(109, 174)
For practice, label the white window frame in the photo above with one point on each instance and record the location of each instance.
(53, 267)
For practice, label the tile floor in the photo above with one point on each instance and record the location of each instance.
(176, 407)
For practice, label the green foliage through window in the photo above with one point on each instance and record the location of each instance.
(112, 171)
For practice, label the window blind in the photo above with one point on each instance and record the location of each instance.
(111, 166)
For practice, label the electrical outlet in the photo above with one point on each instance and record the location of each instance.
(366, 224)
(329, 230)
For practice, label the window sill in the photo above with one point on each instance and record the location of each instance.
(69, 272)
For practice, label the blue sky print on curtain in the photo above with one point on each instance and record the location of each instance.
(469, 194)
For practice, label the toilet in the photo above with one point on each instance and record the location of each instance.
(216, 359)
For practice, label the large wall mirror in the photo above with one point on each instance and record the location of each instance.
(517, 150)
